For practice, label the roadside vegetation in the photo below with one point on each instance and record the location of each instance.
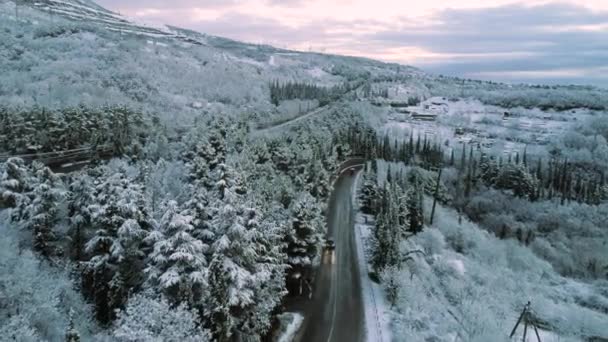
(459, 253)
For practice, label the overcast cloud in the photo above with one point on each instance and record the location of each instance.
(535, 41)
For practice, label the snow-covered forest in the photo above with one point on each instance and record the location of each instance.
(158, 184)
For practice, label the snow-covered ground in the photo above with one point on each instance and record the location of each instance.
(291, 329)
(491, 128)
(471, 286)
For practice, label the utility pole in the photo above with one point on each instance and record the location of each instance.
(526, 318)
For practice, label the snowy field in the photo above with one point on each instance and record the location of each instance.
(500, 131)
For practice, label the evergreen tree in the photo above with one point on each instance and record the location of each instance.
(317, 180)
(369, 193)
(15, 184)
(232, 272)
(201, 212)
(463, 158)
(488, 169)
(177, 260)
(386, 240)
(147, 318)
(400, 200)
(43, 212)
(199, 168)
(516, 178)
(415, 192)
(228, 184)
(270, 273)
(306, 229)
(80, 197)
(117, 248)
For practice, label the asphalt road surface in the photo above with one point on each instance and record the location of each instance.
(335, 311)
(265, 131)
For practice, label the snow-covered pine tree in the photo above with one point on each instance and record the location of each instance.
(282, 157)
(198, 167)
(152, 178)
(43, 211)
(147, 318)
(177, 260)
(202, 213)
(232, 279)
(117, 249)
(488, 169)
(369, 192)
(317, 182)
(261, 152)
(15, 183)
(400, 201)
(515, 177)
(390, 278)
(80, 197)
(129, 254)
(270, 273)
(217, 142)
(305, 235)
(211, 149)
(414, 193)
(386, 240)
(228, 185)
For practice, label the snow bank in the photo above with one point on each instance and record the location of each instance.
(292, 328)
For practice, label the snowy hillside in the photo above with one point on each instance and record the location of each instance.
(174, 72)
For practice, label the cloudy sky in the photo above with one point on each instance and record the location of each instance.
(509, 40)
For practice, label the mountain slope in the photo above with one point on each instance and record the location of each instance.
(61, 53)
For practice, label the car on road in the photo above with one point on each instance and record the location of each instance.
(329, 252)
(352, 170)
(330, 244)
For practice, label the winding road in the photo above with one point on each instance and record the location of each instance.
(275, 128)
(335, 312)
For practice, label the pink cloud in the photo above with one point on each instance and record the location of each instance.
(449, 36)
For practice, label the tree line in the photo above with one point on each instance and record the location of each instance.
(39, 129)
(532, 179)
(306, 91)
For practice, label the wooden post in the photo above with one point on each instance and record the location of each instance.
(436, 195)
(525, 329)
